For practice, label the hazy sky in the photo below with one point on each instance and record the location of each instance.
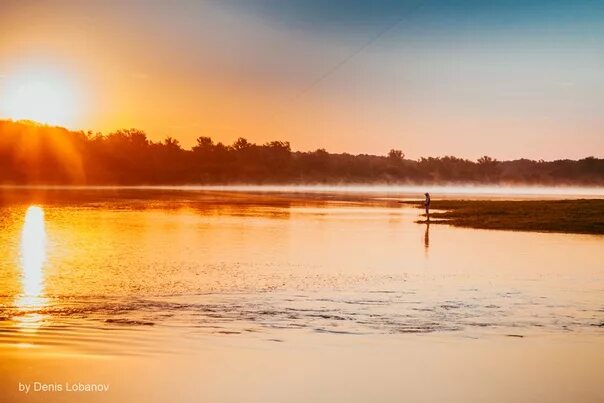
(466, 78)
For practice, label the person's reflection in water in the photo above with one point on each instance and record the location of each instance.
(427, 237)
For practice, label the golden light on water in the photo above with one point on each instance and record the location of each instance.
(33, 251)
(33, 257)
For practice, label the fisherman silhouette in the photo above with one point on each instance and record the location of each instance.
(427, 206)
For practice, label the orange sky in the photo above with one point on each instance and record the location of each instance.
(432, 81)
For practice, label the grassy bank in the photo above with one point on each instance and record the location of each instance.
(570, 216)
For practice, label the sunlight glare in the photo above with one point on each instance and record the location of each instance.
(33, 256)
(33, 251)
(42, 96)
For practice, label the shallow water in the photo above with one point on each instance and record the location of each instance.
(129, 272)
(178, 295)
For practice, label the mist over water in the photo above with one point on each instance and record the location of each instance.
(494, 191)
(417, 191)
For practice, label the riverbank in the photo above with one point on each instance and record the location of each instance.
(328, 368)
(583, 216)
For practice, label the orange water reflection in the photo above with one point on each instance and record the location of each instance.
(32, 259)
(427, 238)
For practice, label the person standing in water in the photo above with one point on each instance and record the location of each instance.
(427, 206)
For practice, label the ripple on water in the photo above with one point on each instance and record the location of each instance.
(142, 325)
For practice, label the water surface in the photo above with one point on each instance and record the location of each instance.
(150, 272)
(229, 263)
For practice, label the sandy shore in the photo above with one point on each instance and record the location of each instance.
(581, 216)
(326, 369)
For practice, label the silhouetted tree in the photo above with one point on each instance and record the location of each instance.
(241, 144)
(204, 144)
(396, 155)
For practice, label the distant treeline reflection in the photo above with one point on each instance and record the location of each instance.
(37, 154)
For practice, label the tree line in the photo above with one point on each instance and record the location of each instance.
(36, 154)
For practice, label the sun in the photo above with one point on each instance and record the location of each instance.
(44, 96)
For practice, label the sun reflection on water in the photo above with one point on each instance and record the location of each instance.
(33, 257)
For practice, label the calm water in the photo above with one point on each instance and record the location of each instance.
(114, 272)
